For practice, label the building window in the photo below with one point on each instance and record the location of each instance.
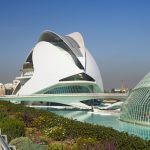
(70, 89)
(81, 76)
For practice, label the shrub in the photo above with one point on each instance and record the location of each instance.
(56, 146)
(18, 142)
(57, 133)
(26, 117)
(3, 115)
(12, 128)
(32, 146)
(24, 143)
(40, 122)
(87, 144)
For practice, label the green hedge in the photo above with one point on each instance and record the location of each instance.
(12, 128)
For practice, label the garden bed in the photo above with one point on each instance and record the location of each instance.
(46, 128)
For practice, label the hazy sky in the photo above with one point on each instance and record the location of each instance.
(117, 33)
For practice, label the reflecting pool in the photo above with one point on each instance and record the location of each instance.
(108, 120)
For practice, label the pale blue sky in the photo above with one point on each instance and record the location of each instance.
(117, 33)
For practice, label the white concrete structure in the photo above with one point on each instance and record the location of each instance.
(59, 65)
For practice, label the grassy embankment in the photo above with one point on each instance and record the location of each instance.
(45, 130)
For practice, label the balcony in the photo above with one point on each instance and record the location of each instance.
(27, 65)
(27, 69)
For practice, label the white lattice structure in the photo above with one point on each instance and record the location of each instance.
(136, 109)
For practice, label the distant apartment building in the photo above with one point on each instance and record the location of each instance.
(8, 88)
(2, 89)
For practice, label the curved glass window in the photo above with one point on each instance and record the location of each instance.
(29, 59)
(72, 42)
(29, 63)
(74, 45)
(70, 89)
(81, 76)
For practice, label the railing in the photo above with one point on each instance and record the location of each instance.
(27, 68)
(4, 143)
(97, 95)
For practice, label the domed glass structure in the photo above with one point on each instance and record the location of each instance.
(136, 109)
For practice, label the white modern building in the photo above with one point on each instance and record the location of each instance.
(59, 64)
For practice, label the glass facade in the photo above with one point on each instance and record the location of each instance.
(136, 109)
(70, 89)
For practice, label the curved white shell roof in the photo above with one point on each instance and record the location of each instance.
(55, 57)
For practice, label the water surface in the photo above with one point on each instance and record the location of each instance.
(108, 120)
